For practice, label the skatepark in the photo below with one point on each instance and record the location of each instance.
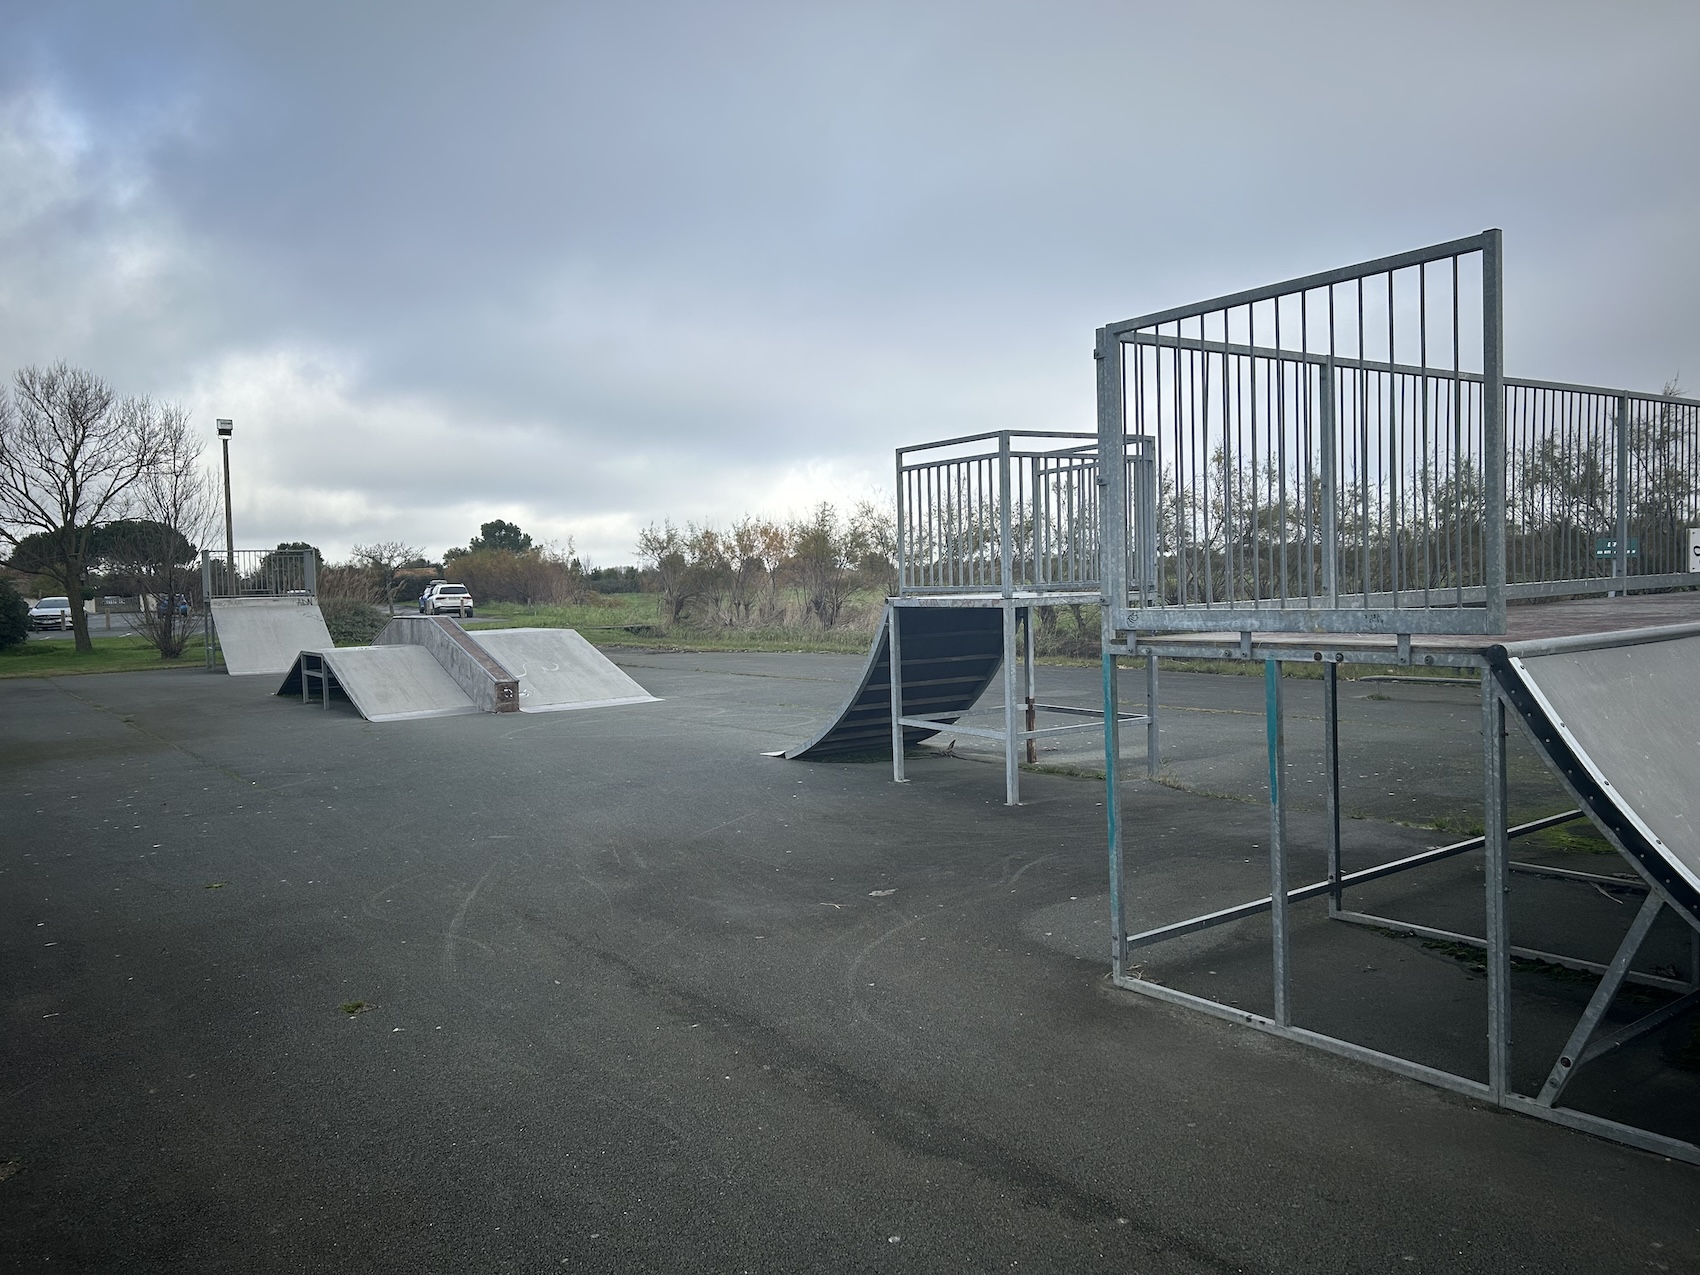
(375, 957)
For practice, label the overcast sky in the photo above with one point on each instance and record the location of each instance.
(586, 266)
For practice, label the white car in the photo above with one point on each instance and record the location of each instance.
(51, 613)
(446, 599)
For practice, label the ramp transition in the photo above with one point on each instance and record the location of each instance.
(950, 656)
(433, 668)
(386, 683)
(1616, 717)
(558, 670)
(267, 635)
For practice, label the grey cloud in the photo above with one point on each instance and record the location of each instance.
(618, 262)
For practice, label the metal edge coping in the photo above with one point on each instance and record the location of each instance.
(1507, 668)
(1536, 647)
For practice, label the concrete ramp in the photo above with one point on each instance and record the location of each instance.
(558, 670)
(950, 656)
(1618, 716)
(386, 683)
(267, 635)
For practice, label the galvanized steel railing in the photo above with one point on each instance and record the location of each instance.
(258, 573)
(1330, 450)
(1343, 453)
(1010, 512)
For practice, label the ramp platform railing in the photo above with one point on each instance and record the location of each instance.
(1329, 451)
(259, 573)
(1011, 513)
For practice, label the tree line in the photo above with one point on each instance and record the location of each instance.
(761, 573)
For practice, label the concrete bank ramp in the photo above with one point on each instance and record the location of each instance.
(558, 670)
(267, 635)
(950, 656)
(386, 683)
(1618, 716)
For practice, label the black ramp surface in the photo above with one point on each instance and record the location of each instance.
(950, 656)
(1619, 719)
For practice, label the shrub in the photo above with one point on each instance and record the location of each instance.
(14, 615)
(352, 622)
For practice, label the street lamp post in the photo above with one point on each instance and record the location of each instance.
(224, 430)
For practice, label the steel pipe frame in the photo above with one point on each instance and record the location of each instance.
(1499, 949)
(1019, 686)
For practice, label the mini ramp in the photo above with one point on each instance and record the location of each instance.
(267, 635)
(1617, 718)
(558, 670)
(386, 683)
(950, 655)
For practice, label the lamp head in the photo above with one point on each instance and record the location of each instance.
(225, 427)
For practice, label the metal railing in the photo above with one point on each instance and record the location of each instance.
(1327, 449)
(1011, 512)
(258, 573)
(1602, 486)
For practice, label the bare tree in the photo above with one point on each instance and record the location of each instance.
(69, 455)
(174, 514)
(382, 560)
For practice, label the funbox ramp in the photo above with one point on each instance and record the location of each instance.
(1618, 717)
(558, 670)
(267, 635)
(950, 656)
(386, 683)
(430, 667)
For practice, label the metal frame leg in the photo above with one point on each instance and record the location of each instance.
(1274, 718)
(894, 653)
(1029, 683)
(1011, 693)
(1113, 811)
(1331, 779)
(1153, 740)
(1497, 887)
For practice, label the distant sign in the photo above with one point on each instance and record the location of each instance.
(1606, 547)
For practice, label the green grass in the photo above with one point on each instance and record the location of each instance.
(631, 619)
(60, 658)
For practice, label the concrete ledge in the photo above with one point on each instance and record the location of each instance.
(490, 686)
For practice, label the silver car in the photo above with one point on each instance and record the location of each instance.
(51, 613)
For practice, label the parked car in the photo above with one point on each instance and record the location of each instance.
(51, 613)
(446, 599)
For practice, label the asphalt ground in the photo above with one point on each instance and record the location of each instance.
(632, 996)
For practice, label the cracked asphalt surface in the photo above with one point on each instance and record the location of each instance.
(633, 997)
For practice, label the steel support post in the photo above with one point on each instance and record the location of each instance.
(1600, 1001)
(1331, 778)
(1113, 810)
(1153, 735)
(894, 653)
(1011, 709)
(1620, 559)
(1112, 577)
(1275, 729)
(1028, 682)
(1497, 846)
(1330, 467)
(1493, 427)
